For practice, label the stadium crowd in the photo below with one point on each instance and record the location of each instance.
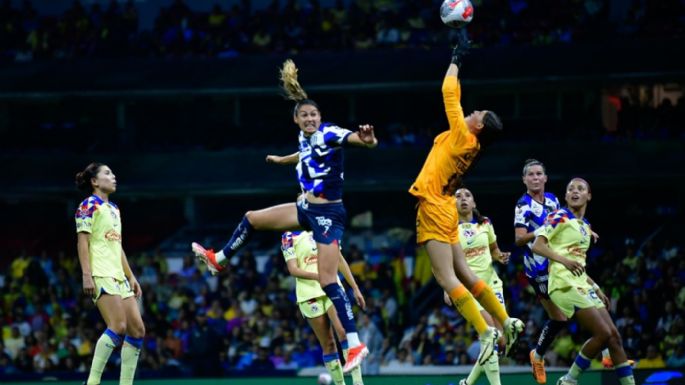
(294, 26)
(246, 320)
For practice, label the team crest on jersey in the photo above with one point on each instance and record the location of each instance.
(469, 234)
(536, 208)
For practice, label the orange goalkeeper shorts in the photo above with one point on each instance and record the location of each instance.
(437, 221)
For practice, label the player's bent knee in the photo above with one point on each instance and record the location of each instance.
(603, 334)
(138, 332)
(118, 327)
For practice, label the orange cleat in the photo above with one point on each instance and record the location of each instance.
(355, 356)
(538, 367)
(609, 364)
(207, 257)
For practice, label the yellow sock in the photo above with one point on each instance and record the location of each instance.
(107, 342)
(129, 359)
(489, 300)
(332, 363)
(466, 305)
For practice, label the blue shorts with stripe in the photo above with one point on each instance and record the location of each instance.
(325, 220)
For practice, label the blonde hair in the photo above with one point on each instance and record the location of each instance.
(293, 89)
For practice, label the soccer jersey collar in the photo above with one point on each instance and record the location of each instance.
(571, 216)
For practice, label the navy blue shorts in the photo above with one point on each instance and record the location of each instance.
(539, 284)
(325, 220)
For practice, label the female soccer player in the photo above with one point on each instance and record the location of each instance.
(300, 253)
(477, 238)
(530, 213)
(107, 276)
(564, 240)
(320, 170)
(437, 219)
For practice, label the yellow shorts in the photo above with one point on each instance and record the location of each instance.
(111, 286)
(496, 286)
(315, 307)
(437, 221)
(570, 299)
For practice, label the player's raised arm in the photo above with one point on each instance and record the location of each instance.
(451, 89)
(284, 160)
(365, 137)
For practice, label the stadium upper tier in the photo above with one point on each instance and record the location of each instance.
(250, 74)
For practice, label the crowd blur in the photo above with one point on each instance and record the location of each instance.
(295, 26)
(246, 320)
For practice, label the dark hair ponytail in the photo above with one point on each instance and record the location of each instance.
(83, 177)
(480, 219)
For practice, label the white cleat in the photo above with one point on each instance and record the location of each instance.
(565, 380)
(512, 329)
(488, 341)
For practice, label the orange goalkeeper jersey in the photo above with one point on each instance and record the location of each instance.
(452, 153)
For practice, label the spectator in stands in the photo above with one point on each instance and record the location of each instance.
(677, 359)
(652, 360)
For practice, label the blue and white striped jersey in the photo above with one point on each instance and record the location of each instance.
(530, 214)
(320, 169)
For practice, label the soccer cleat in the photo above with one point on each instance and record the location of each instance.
(463, 382)
(538, 368)
(206, 256)
(488, 340)
(512, 328)
(565, 380)
(608, 363)
(355, 356)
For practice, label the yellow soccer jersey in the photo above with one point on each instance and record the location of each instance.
(103, 222)
(475, 239)
(301, 246)
(452, 153)
(569, 237)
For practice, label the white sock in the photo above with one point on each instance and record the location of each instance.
(220, 257)
(352, 339)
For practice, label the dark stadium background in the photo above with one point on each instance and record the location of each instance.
(181, 101)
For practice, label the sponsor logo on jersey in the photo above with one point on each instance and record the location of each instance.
(113, 235)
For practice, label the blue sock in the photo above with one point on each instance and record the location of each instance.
(624, 370)
(116, 338)
(342, 306)
(241, 235)
(547, 335)
(579, 365)
(135, 342)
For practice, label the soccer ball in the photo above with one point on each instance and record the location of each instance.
(324, 379)
(456, 13)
